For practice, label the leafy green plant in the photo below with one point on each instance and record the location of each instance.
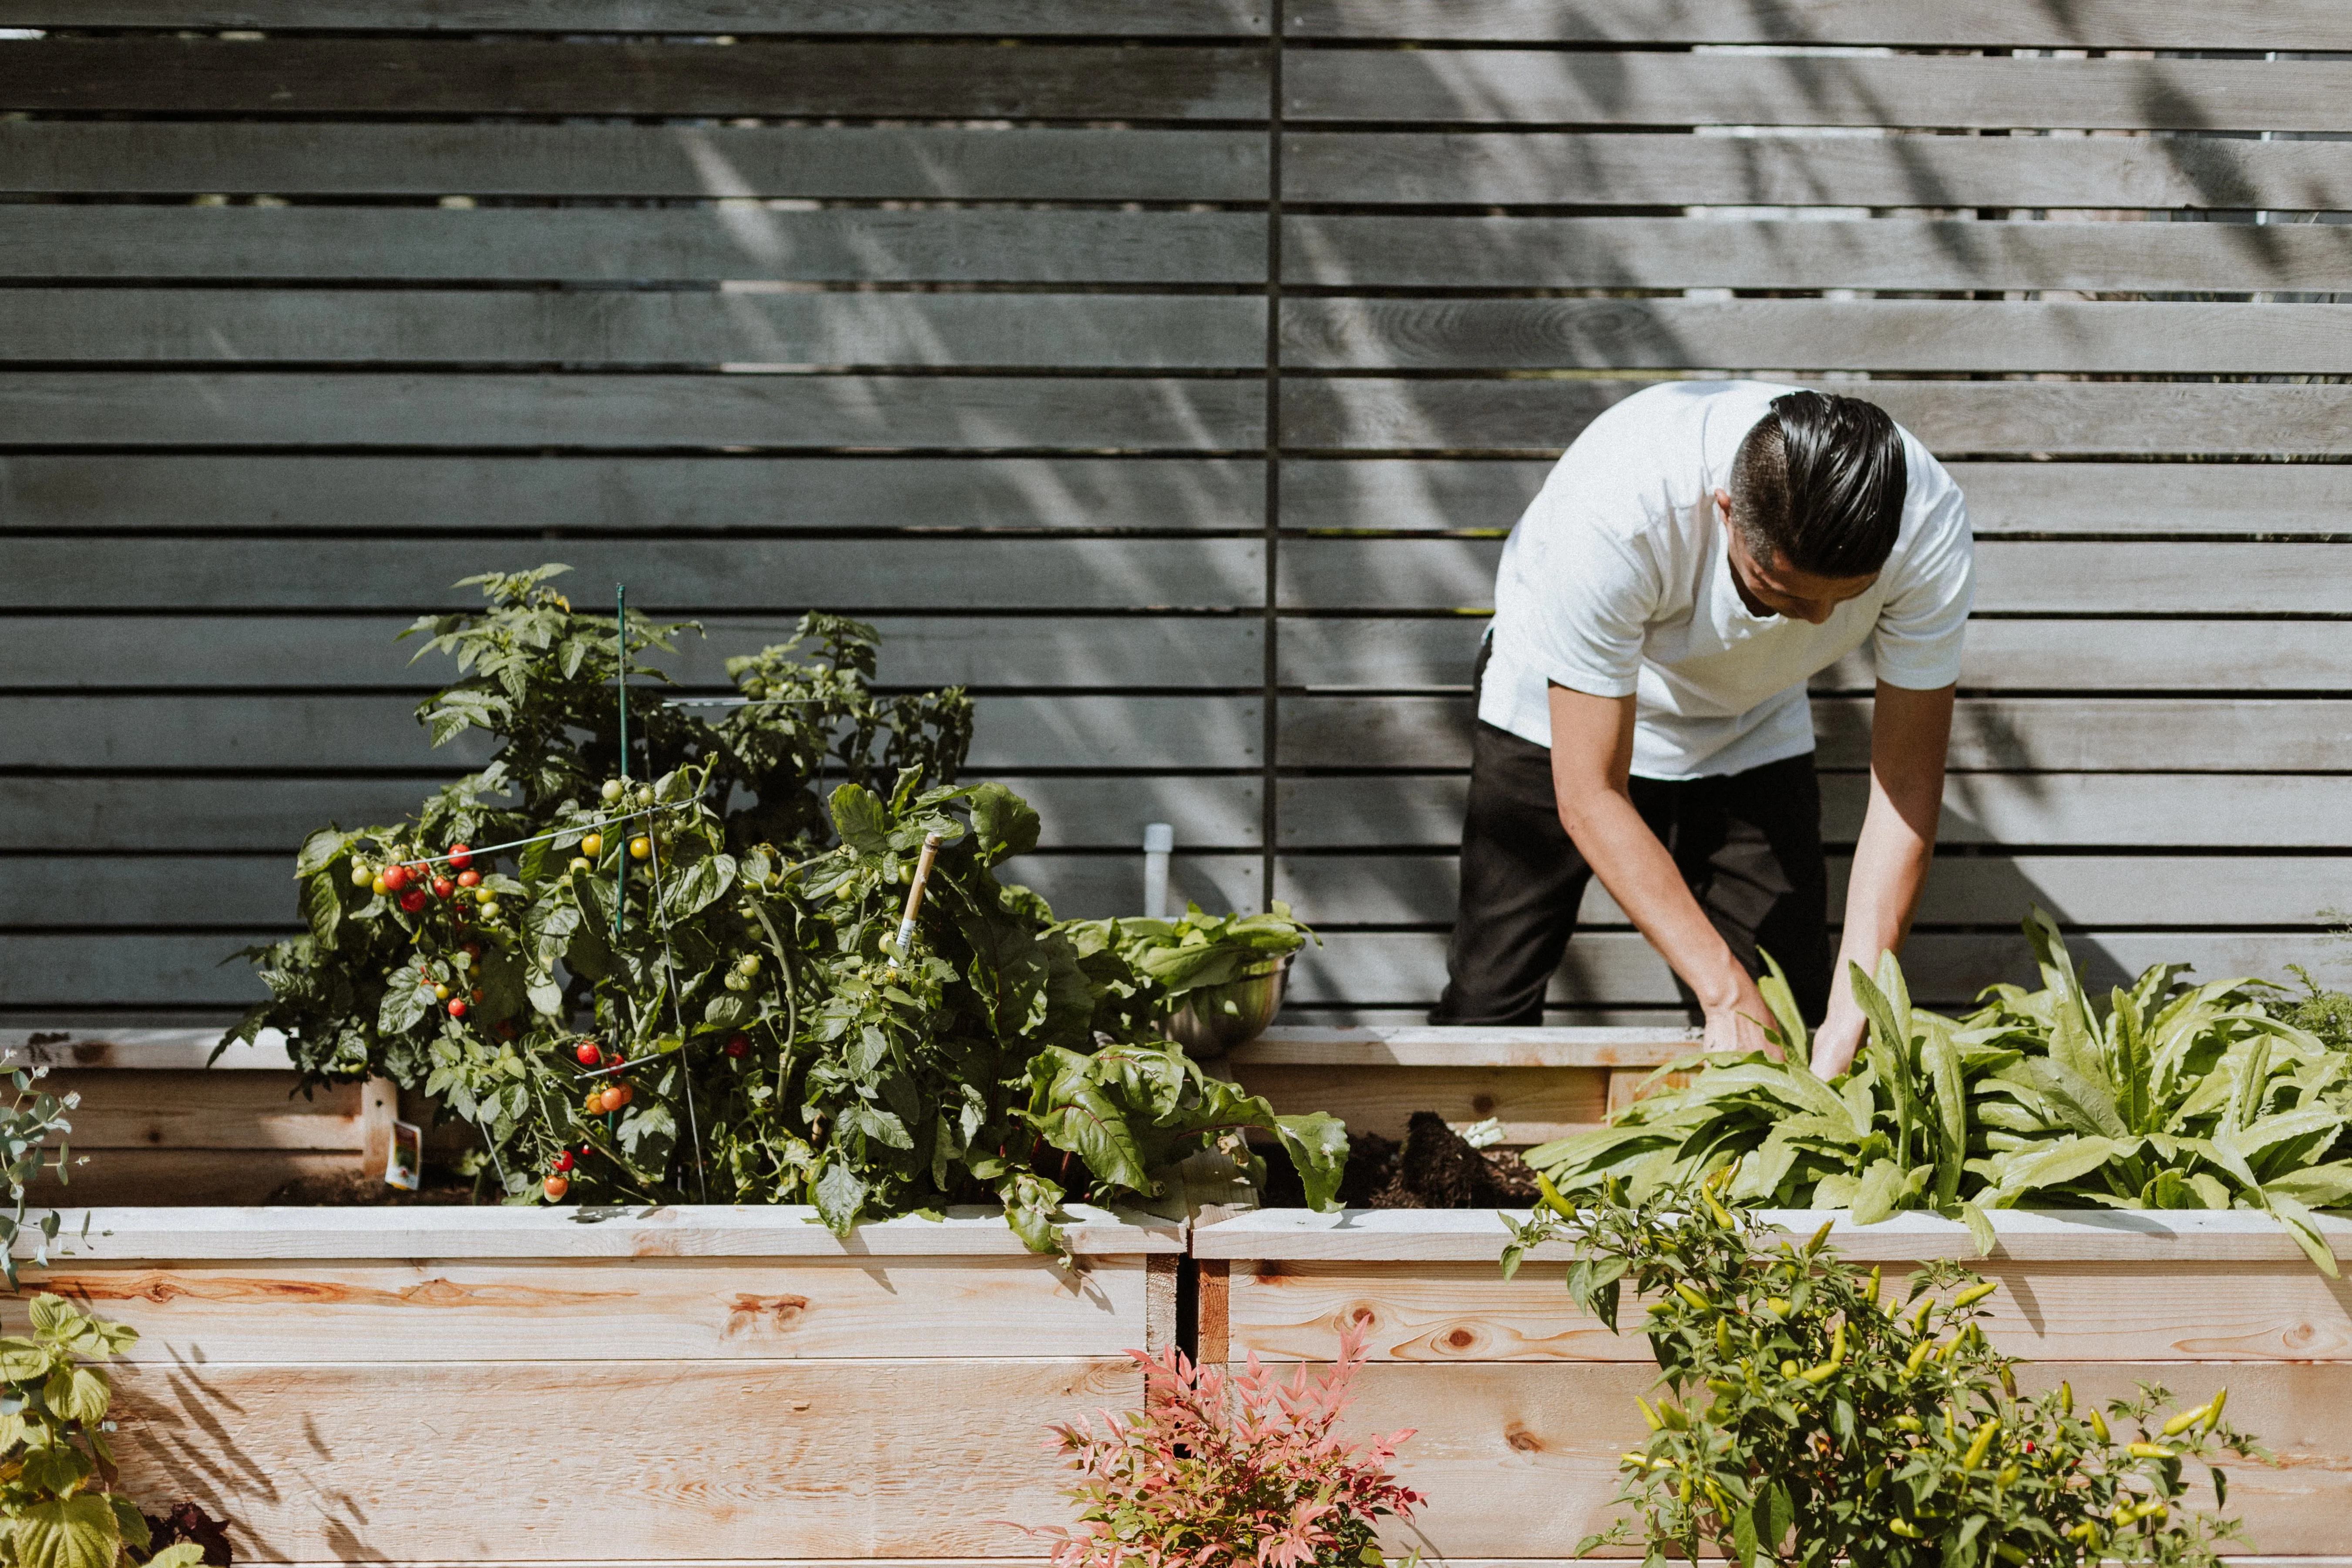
(693, 988)
(2175, 1095)
(1219, 1469)
(54, 1456)
(28, 1122)
(1810, 1420)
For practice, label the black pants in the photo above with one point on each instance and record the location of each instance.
(1749, 845)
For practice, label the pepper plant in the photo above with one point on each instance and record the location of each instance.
(1811, 1417)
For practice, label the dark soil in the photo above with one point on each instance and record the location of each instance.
(361, 1189)
(1433, 1168)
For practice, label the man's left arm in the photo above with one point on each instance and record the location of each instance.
(1909, 735)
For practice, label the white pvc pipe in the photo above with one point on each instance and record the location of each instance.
(1158, 842)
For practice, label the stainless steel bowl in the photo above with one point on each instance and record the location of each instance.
(1214, 1020)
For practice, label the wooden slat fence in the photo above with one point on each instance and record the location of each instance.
(1169, 373)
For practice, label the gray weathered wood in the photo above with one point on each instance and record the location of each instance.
(687, 576)
(2218, 811)
(858, 163)
(1962, 418)
(663, 328)
(1333, 890)
(497, 410)
(412, 77)
(1931, 172)
(2071, 733)
(642, 495)
(1338, 654)
(933, 17)
(255, 892)
(1944, 969)
(2012, 24)
(1524, 87)
(275, 733)
(2013, 576)
(742, 240)
(271, 817)
(314, 652)
(1808, 334)
(1400, 250)
(2043, 499)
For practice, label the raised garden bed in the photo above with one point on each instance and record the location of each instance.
(1522, 1404)
(498, 1384)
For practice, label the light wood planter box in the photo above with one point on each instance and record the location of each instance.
(1522, 1405)
(674, 1385)
(1541, 1084)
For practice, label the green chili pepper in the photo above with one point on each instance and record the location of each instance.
(1551, 1198)
(1975, 1293)
(1982, 1441)
(1690, 1293)
(2149, 1451)
(2099, 1424)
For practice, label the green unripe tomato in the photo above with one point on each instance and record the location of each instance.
(748, 964)
(363, 874)
(612, 791)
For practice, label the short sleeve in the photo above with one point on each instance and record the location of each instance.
(1586, 597)
(1916, 644)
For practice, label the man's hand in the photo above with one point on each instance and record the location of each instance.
(1839, 1038)
(1740, 1027)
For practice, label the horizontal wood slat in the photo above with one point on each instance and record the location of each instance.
(1934, 172)
(401, 76)
(1809, 335)
(1396, 250)
(583, 328)
(2031, 655)
(743, 240)
(314, 652)
(1526, 87)
(2217, 810)
(2012, 576)
(1533, 1105)
(2044, 498)
(2059, 734)
(199, 1110)
(177, 813)
(990, 17)
(839, 163)
(2015, 24)
(641, 495)
(85, 408)
(1962, 418)
(1988, 889)
(278, 733)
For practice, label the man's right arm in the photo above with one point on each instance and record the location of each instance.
(1591, 760)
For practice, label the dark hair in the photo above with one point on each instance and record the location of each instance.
(1819, 482)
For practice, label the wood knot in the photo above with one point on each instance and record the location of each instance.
(783, 1313)
(1521, 1440)
(1484, 1104)
(1460, 1340)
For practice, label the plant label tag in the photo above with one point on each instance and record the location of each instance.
(405, 1164)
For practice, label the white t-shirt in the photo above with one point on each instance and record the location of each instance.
(1615, 581)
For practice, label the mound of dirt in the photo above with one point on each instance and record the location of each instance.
(1433, 1168)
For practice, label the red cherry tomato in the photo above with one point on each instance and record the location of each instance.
(394, 879)
(443, 887)
(739, 1046)
(555, 1187)
(414, 901)
(469, 879)
(457, 1008)
(563, 1161)
(472, 950)
(588, 1054)
(460, 856)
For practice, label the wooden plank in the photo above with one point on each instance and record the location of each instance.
(1401, 250)
(151, 652)
(218, 815)
(932, 18)
(1423, 1045)
(286, 77)
(583, 328)
(2014, 23)
(2073, 734)
(742, 240)
(2179, 811)
(1528, 86)
(484, 410)
(1464, 1312)
(685, 575)
(1533, 1105)
(193, 493)
(460, 1232)
(1344, 654)
(2044, 499)
(809, 1456)
(1971, 889)
(205, 1109)
(835, 162)
(428, 1311)
(1811, 334)
(1635, 169)
(2013, 578)
(1957, 419)
(273, 734)
(104, 1048)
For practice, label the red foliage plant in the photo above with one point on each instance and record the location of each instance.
(1218, 1470)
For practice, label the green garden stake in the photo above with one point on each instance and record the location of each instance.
(621, 687)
